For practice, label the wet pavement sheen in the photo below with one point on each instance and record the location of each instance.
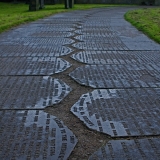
(122, 65)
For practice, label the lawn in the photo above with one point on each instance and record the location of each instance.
(14, 14)
(146, 20)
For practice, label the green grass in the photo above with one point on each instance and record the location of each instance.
(146, 20)
(14, 14)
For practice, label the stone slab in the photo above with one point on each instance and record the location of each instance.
(102, 39)
(120, 112)
(118, 76)
(147, 45)
(94, 32)
(32, 65)
(51, 34)
(147, 148)
(33, 134)
(117, 57)
(38, 41)
(31, 92)
(32, 51)
(100, 46)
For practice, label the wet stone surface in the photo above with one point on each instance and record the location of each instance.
(117, 57)
(51, 34)
(142, 46)
(118, 76)
(96, 32)
(34, 135)
(120, 112)
(100, 46)
(147, 148)
(32, 65)
(31, 92)
(103, 39)
(39, 41)
(32, 51)
(62, 29)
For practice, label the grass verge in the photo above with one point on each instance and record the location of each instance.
(12, 15)
(146, 20)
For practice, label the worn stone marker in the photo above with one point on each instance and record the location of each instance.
(69, 4)
(35, 5)
(66, 3)
(41, 3)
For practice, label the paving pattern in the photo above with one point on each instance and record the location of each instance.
(32, 92)
(38, 41)
(44, 51)
(32, 65)
(51, 34)
(129, 149)
(34, 135)
(122, 64)
(131, 112)
(100, 46)
(29, 56)
(118, 76)
(117, 57)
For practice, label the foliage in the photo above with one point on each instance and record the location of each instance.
(14, 14)
(146, 20)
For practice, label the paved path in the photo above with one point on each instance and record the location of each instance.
(119, 63)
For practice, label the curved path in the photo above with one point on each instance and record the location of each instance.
(92, 63)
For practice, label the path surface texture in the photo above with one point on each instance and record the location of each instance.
(79, 85)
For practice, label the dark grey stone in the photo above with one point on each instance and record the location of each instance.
(38, 41)
(31, 92)
(118, 76)
(120, 112)
(33, 51)
(99, 46)
(101, 39)
(117, 57)
(33, 134)
(32, 65)
(146, 148)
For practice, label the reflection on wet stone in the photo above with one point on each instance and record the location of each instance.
(31, 92)
(38, 41)
(32, 65)
(120, 112)
(117, 57)
(118, 76)
(98, 46)
(37, 50)
(34, 135)
(147, 148)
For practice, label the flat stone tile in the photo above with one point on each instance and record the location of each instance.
(118, 76)
(100, 46)
(38, 41)
(117, 57)
(146, 148)
(32, 65)
(130, 33)
(31, 92)
(51, 34)
(120, 112)
(34, 51)
(102, 39)
(147, 45)
(45, 28)
(95, 32)
(51, 25)
(33, 134)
